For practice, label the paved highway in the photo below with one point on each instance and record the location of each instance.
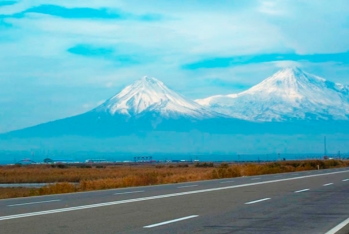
(301, 202)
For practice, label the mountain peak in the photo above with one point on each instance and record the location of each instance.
(291, 73)
(289, 93)
(292, 70)
(288, 73)
(149, 94)
(147, 83)
(147, 80)
(288, 81)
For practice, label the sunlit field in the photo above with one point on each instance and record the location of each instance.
(76, 178)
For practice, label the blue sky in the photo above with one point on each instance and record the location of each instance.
(61, 58)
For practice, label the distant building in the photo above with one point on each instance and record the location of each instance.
(143, 159)
(96, 161)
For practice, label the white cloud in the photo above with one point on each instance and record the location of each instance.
(34, 51)
(270, 7)
(285, 64)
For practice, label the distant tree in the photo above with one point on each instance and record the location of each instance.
(48, 160)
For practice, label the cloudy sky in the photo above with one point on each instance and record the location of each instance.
(61, 58)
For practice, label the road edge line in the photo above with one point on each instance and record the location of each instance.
(96, 205)
(338, 227)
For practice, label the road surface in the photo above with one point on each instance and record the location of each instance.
(300, 202)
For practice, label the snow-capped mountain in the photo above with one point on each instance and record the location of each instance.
(147, 117)
(288, 94)
(151, 95)
(146, 105)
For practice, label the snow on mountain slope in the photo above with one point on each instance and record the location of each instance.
(151, 95)
(288, 94)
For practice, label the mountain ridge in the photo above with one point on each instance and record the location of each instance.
(137, 120)
(287, 94)
(148, 105)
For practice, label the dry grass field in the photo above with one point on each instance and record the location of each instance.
(94, 177)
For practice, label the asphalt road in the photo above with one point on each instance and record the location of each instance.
(302, 202)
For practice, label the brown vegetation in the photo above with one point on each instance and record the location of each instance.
(118, 176)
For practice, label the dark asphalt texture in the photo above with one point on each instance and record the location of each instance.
(220, 206)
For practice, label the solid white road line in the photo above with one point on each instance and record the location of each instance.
(230, 181)
(170, 221)
(31, 203)
(141, 191)
(188, 186)
(158, 197)
(260, 200)
(345, 180)
(338, 227)
(327, 184)
(303, 190)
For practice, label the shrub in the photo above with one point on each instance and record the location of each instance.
(84, 166)
(182, 165)
(55, 188)
(226, 172)
(205, 164)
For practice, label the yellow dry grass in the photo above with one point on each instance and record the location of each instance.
(118, 176)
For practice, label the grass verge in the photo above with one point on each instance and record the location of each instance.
(99, 177)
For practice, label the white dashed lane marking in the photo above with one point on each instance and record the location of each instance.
(105, 204)
(303, 190)
(260, 200)
(230, 181)
(32, 203)
(171, 221)
(141, 191)
(188, 186)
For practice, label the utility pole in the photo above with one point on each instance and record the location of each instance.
(325, 147)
